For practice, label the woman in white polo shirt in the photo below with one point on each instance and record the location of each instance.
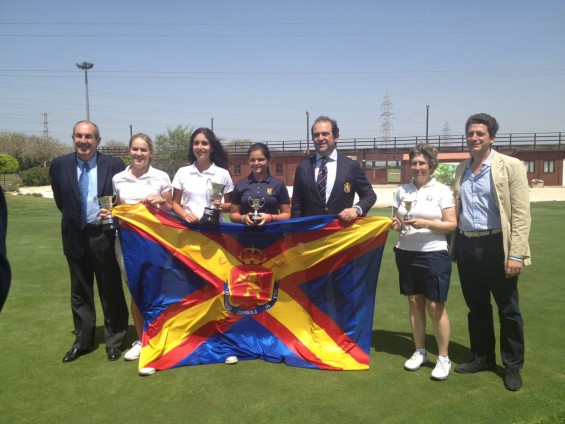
(208, 162)
(140, 182)
(422, 257)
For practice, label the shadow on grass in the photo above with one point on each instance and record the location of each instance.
(131, 336)
(401, 344)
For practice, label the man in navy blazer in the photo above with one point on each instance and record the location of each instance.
(5, 271)
(89, 250)
(345, 177)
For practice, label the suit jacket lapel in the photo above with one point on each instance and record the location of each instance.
(496, 168)
(102, 171)
(312, 178)
(72, 176)
(311, 174)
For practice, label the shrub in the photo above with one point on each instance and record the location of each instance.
(38, 176)
(10, 187)
(445, 173)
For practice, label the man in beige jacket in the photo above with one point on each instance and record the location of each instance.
(491, 248)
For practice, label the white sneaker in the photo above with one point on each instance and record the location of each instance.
(441, 371)
(416, 361)
(147, 371)
(134, 352)
(230, 360)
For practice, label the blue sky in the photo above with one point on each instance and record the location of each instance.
(256, 67)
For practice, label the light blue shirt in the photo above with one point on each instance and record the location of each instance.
(479, 211)
(93, 208)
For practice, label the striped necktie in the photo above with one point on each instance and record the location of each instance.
(322, 180)
(83, 188)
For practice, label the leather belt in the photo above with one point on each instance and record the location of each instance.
(472, 234)
(92, 226)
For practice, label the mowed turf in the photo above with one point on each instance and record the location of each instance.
(36, 325)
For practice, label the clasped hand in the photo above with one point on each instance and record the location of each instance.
(261, 219)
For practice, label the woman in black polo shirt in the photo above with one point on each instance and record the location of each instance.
(269, 192)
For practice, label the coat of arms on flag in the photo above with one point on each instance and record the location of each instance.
(300, 291)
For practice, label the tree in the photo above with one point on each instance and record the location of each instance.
(8, 164)
(31, 151)
(445, 173)
(171, 148)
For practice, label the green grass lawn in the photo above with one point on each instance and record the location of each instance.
(36, 325)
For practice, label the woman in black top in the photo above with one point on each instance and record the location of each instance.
(268, 191)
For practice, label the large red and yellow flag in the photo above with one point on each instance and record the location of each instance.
(300, 291)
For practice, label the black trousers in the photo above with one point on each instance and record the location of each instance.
(480, 262)
(100, 261)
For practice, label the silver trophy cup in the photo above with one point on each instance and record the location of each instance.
(107, 202)
(211, 212)
(408, 205)
(256, 204)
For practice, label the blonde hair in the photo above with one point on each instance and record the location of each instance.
(144, 137)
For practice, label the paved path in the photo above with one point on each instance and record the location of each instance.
(385, 193)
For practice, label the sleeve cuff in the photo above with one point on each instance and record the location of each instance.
(514, 258)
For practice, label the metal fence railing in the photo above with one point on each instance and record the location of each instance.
(513, 141)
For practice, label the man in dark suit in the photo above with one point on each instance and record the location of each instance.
(77, 179)
(327, 182)
(5, 272)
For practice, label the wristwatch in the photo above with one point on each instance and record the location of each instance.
(358, 210)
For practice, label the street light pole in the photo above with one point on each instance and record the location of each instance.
(307, 132)
(86, 66)
(427, 121)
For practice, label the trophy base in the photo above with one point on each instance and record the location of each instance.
(255, 219)
(408, 217)
(109, 225)
(211, 216)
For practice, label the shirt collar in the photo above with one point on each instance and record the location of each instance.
(252, 179)
(430, 183)
(332, 156)
(147, 174)
(91, 162)
(209, 171)
(487, 162)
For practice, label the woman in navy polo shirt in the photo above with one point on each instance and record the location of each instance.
(269, 191)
